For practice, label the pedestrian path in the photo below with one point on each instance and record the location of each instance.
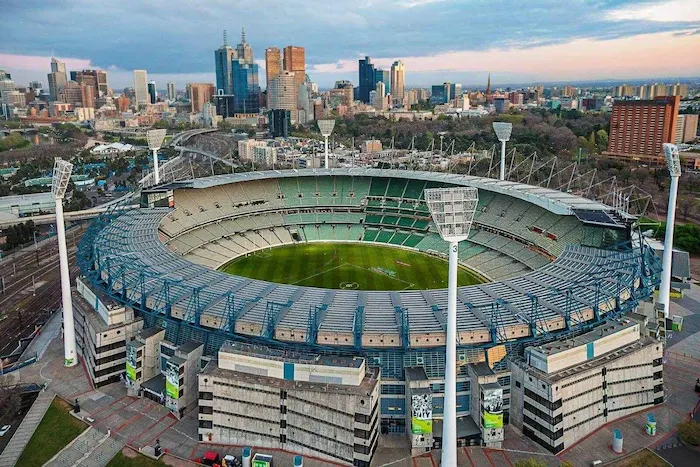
(26, 429)
(92, 448)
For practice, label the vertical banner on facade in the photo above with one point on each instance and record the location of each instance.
(422, 414)
(172, 382)
(131, 363)
(493, 408)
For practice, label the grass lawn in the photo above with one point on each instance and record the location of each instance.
(55, 431)
(643, 458)
(348, 266)
(120, 460)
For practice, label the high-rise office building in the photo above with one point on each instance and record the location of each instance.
(87, 95)
(171, 91)
(244, 51)
(455, 91)
(199, 93)
(141, 96)
(273, 65)
(677, 89)
(246, 88)
(439, 94)
(152, 93)
(686, 128)
(71, 93)
(398, 81)
(295, 62)
(281, 92)
(222, 59)
(57, 78)
(366, 79)
(280, 123)
(95, 78)
(385, 77)
(380, 102)
(638, 128)
(623, 90)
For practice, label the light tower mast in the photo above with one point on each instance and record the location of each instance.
(673, 162)
(452, 210)
(59, 184)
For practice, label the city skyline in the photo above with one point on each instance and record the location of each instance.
(614, 42)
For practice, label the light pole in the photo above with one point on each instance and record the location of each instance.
(61, 176)
(503, 131)
(155, 139)
(452, 210)
(326, 127)
(673, 162)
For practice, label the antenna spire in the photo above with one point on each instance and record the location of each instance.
(225, 38)
(243, 34)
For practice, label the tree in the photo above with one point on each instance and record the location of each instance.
(602, 138)
(689, 431)
(688, 206)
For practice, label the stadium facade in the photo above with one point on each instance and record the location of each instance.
(558, 265)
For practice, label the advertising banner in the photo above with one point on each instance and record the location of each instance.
(493, 408)
(172, 382)
(130, 363)
(422, 414)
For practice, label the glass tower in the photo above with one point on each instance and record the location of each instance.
(367, 79)
(383, 76)
(246, 89)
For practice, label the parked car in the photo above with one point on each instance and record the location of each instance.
(5, 429)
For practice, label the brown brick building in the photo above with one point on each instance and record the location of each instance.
(295, 61)
(638, 128)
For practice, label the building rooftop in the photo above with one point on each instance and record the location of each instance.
(466, 427)
(93, 317)
(416, 373)
(290, 356)
(148, 332)
(189, 347)
(588, 364)
(364, 389)
(482, 369)
(610, 327)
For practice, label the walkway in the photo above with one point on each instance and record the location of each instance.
(91, 448)
(19, 441)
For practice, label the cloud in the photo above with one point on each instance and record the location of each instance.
(662, 11)
(174, 38)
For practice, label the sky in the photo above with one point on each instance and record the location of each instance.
(517, 41)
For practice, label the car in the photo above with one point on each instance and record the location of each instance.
(5, 429)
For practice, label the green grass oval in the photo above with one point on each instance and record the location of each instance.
(348, 266)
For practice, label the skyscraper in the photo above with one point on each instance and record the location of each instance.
(295, 61)
(366, 79)
(95, 78)
(398, 81)
(152, 94)
(273, 65)
(199, 93)
(281, 92)
(380, 96)
(246, 89)
(244, 51)
(638, 128)
(385, 77)
(57, 78)
(141, 96)
(222, 58)
(87, 95)
(171, 91)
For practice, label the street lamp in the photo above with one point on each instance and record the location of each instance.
(61, 176)
(673, 162)
(503, 130)
(155, 139)
(326, 127)
(452, 210)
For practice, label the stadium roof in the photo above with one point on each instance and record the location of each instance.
(552, 200)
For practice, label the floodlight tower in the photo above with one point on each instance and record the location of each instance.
(155, 140)
(452, 210)
(673, 161)
(503, 130)
(326, 127)
(61, 176)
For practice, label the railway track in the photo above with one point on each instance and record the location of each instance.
(20, 309)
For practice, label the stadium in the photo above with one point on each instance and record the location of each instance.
(539, 265)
